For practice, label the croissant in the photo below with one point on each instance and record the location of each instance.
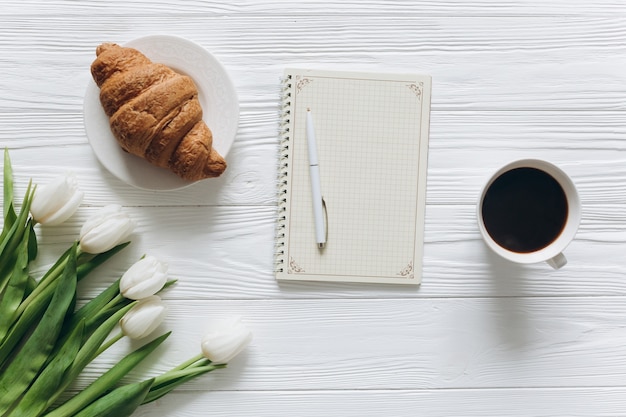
(154, 113)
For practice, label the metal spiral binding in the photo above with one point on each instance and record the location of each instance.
(283, 173)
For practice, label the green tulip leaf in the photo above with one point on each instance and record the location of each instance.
(92, 311)
(121, 402)
(27, 363)
(12, 239)
(26, 321)
(36, 399)
(32, 242)
(107, 380)
(16, 288)
(8, 210)
(89, 350)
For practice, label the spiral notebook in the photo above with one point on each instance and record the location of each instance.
(371, 133)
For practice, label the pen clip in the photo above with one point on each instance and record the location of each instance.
(325, 222)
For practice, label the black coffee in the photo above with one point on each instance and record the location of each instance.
(524, 210)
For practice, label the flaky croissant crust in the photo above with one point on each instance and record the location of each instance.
(154, 113)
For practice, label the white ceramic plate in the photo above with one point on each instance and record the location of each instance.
(216, 93)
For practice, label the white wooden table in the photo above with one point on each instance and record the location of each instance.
(480, 337)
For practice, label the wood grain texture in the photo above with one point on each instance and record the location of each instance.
(588, 402)
(226, 252)
(465, 149)
(502, 342)
(480, 336)
(278, 7)
(478, 63)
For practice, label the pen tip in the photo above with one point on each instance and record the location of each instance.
(308, 109)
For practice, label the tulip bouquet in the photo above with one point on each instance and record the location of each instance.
(46, 342)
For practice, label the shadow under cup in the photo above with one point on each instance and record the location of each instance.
(529, 211)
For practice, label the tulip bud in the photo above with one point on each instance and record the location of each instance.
(226, 340)
(56, 201)
(106, 229)
(143, 318)
(144, 278)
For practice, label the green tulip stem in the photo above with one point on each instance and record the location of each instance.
(192, 370)
(168, 381)
(108, 344)
(188, 363)
(114, 302)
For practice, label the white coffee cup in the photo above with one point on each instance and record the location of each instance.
(488, 209)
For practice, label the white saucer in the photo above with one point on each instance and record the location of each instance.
(216, 93)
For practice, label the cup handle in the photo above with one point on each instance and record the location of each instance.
(558, 261)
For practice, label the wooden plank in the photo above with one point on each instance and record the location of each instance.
(398, 344)
(525, 8)
(227, 253)
(465, 149)
(587, 402)
(477, 63)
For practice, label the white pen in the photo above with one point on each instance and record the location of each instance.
(316, 186)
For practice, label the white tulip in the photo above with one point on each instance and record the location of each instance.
(143, 318)
(226, 340)
(56, 201)
(144, 278)
(106, 229)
